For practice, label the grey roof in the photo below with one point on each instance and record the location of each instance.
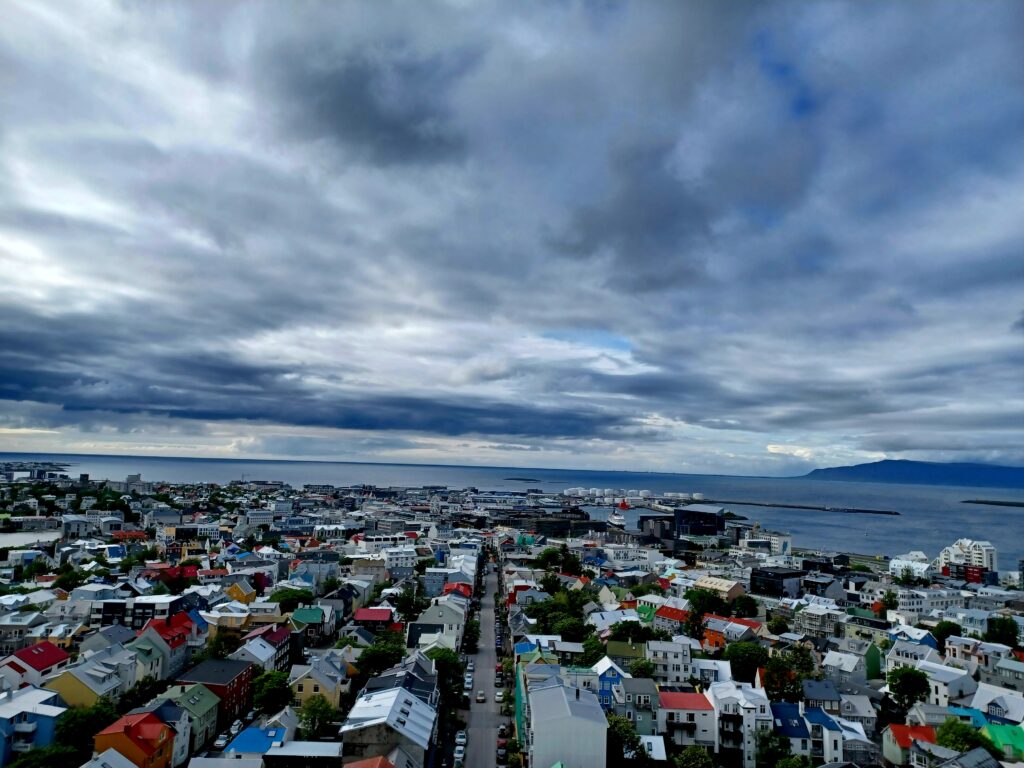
(640, 685)
(563, 703)
(820, 690)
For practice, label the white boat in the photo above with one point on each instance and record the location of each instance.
(616, 518)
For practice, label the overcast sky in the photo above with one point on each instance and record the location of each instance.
(683, 236)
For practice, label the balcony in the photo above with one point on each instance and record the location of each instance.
(28, 727)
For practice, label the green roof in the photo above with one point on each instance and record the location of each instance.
(646, 612)
(309, 615)
(1006, 736)
(197, 699)
(625, 650)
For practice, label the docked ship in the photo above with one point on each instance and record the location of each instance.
(616, 517)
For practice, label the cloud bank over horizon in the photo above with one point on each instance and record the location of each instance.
(692, 237)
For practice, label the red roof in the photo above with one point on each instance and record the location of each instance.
(174, 630)
(42, 655)
(463, 589)
(905, 734)
(15, 666)
(373, 614)
(672, 614)
(214, 572)
(396, 626)
(670, 700)
(755, 625)
(372, 762)
(143, 730)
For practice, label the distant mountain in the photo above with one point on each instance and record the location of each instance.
(925, 473)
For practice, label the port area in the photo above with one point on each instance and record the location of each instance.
(813, 507)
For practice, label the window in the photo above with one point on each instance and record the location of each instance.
(690, 717)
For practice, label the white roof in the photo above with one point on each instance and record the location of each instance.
(560, 702)
(397, 708)
(844, 661)
(14, 703)
(111, 758)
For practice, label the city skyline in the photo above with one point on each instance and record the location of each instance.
(672, 237)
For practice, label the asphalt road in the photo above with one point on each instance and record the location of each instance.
(483, 719)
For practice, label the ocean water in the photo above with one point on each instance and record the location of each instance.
(930, 516)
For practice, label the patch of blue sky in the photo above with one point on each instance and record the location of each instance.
(591, 338)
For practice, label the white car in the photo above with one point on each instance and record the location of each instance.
(460, 754)
(236, 728)
(499, 696)
(221, 742)
(461, 739)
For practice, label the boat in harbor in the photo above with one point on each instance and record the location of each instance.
(616, 517)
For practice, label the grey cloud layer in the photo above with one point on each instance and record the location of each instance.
(630, 233)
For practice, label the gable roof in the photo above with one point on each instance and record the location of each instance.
(904, 735)
(694, 701)
(42, 655)
(144, 731)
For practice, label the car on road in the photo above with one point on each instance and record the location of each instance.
(221, 742)
(502, 731)
(467, 686)
(236, 727)
(499, 696)
(459, 755)
(481, 696)
(501, 751)
(461, 739)
(470, 666)
(250, 715)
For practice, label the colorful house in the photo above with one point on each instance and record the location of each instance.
(897, 740)
(144, 739)
(29, 666)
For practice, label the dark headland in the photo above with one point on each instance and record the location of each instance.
(925, 473)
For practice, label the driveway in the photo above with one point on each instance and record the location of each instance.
(483, 719)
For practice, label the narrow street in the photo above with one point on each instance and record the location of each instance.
(483, 719)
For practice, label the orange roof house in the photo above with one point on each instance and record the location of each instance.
(144, 739)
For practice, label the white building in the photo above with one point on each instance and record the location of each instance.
(742, 712)
(968, 552)
(567, 726)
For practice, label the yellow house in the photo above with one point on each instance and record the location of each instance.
(82, 686)
(329, 676)
(241, 591)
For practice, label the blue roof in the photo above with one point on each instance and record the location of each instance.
(789, 722)
(254, 739)
(525, 647)
(818, 716)
(976, 716)
(199, 620)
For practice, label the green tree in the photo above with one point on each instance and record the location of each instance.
(636, 632)
(945, 630)
(76, 728)
(907, 686)
(145, 690)
(745, 607)
(745, 659)
(641, 668)
(46, 757)
(471, 636)
(1003, 630)
(795, 761)
(693, 757)
(593, 652)
(290, 599)
(623, 741)
(449, 674)
(572, 629)
(958, 735)
(778, 625)
(387, 650)
(316, 716)
(423, 563)
(784, 674)
(222, 644)
(772, 748)
(889, 602)
(410, 604)
(330, 584)
(271, 692)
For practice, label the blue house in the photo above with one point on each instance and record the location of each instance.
(255, 740)
(608, 675)
(28, 719)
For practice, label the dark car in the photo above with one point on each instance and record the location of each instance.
(502, 751)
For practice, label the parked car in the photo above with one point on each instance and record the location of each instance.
(499, 696)
(461, 739)
(459, 755)
(502, 731)
(221, 742)
(250, 715)
(470, 666)
(501, 752)
(468, 685)
(481, 696)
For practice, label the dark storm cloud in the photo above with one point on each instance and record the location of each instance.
(386, 106)
(649, 232)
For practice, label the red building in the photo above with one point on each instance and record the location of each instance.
(144, 739)
(229, 680)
